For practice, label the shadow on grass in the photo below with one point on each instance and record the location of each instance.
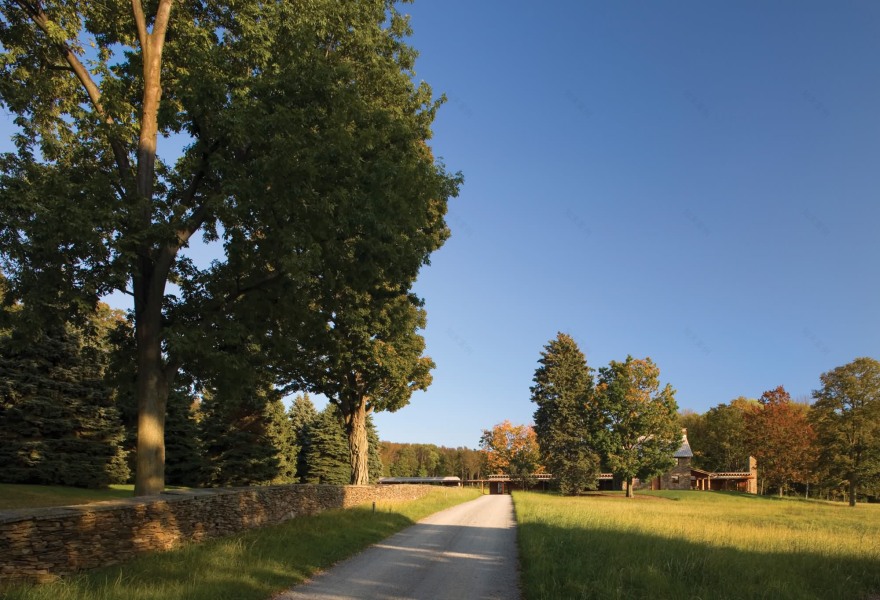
(560, 562)
(250, 565)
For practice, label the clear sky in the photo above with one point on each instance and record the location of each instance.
(696, 182)
(692, 181)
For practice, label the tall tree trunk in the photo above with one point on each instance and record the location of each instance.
(152, 268)
(852, 492)
(152, 395)
(358, 445)
(629, 487)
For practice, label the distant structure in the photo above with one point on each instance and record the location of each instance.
(682, 476)
(446, 481)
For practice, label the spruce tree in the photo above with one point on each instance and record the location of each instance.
(565, 418)
(326, 449)
(184, 462)
(243, 432)
(58, 419)
(374, 462)
(302, 414)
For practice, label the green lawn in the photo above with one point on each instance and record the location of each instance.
(696, 545)
(14, 495)
(253, 565)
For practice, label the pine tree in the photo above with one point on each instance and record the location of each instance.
(246, 436)
(58, 419)
(302, 414)
(184, 459)
(280, 435)
(566, 415)
(374, 462)
(326, 449)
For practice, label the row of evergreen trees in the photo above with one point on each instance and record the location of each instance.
(68, 417)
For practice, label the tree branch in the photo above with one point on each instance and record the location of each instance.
(200, 214)
(141, 23)
(39, 17)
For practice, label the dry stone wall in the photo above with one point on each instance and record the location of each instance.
(41, 544)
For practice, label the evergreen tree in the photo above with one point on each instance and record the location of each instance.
(326, 452)
(302, 414)
(184, 462)
(374, 463)
(565, 420)
(246, 434)
(326, 449)
(280, 435)
(58, 419)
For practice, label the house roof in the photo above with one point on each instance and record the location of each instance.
(684, 450)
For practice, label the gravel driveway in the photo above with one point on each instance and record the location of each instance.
(467, 552)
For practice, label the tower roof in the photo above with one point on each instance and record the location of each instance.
(684, 450)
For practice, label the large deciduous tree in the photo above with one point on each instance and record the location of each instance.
(306, 167)
(512, 450)
(846, 416)
(367, 356)
(640, 430)
(565, 420)
(722, 438)
(781, 439)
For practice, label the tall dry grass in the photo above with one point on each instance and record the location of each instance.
(696, 545)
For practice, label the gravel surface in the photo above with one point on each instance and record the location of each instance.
(466, 552)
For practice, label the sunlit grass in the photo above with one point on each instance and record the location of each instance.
(36, 496)
(696, 545)
(253, 565)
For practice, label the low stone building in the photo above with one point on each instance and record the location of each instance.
(684, 476)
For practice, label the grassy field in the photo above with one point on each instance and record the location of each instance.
(253, 565)
(696, 545)
(35, 496)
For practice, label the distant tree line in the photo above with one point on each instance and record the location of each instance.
(429, 460)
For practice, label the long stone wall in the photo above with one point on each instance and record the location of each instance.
(41, 544)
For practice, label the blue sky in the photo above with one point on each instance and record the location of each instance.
(693, 181)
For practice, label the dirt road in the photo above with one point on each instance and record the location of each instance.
(467, 552)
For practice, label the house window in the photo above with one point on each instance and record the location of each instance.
(675, 479)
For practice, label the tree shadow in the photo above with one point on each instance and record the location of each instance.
(425, 561)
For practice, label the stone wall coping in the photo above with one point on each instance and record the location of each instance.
(13, 515)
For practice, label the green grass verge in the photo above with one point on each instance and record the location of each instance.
(13, 495)
(696, 545)
(253, 565)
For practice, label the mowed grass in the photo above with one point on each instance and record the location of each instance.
(696, 545)
(253, 565)
(13, 495)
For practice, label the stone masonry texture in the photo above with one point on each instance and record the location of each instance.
(41, 544)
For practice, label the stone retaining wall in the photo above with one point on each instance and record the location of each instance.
(40, 544)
